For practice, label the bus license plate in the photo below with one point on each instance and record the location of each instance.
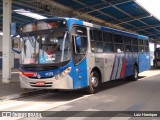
(40, 83)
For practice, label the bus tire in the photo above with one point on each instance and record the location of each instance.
(135, 73)
(155, 65)
(94, 81)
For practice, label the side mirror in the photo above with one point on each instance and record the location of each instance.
(78, 41)
(16, 43)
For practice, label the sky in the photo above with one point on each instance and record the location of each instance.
(152, 6)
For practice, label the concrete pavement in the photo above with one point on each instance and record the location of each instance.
(120, 95)
(12, 90)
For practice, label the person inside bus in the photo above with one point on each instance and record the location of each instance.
(54, 48)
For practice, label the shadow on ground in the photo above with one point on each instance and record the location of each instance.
(62, 95)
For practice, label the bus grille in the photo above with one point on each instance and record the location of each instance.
(47, 84)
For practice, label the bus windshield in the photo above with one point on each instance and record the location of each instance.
(52, 46)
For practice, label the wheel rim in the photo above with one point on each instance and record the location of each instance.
(136, 73)
(94, 81)
(155, 64)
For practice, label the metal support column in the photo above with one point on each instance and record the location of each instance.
(6, 68)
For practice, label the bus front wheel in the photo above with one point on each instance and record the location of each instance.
(93, 82)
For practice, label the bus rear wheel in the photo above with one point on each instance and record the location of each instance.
(94, 82)
(155, 65)
(135, 73)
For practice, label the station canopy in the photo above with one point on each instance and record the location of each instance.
(122, 14)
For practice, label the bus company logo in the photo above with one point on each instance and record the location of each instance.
(35, 74)
(39, 76)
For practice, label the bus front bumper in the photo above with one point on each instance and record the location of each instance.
(64, 82)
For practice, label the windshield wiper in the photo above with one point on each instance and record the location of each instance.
(63, 45)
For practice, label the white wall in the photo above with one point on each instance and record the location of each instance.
(152, 48)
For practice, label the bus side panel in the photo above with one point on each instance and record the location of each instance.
(129, 64)
(144, 61)
(108, 66)
(118, 67)
(99, 63)
(79, 74)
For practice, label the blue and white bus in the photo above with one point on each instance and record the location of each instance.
(67, 53)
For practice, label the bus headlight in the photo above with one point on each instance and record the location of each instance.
(67, 71)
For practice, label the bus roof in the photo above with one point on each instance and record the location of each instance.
(129, 34)
(72, 21)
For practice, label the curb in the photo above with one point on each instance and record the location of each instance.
(20, 95)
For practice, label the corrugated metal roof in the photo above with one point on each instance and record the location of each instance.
(125, 13)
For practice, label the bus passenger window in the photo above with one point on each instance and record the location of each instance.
(135, 48)
(127, 40)
(108, 47)
(119, 48)
(97, 35)
(134, 41)
(81, 44)
(141, 42)
(141, 49)
(99, 47)
(118, 39)
(107, 37)
(93, 46)
(146, 49)
(128, 48)
(91, 34)
(146, 43)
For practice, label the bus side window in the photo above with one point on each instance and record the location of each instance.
(134, 41)
(91, 34)
(127, 40)
(141, 49)
(81, 44)
(99, 47)
(135, 48)
(108, 47)
(118, 39)
(128, 48)
(93, 46)
(107, 37)
(119, 47)
(141, 45)
(97, 35)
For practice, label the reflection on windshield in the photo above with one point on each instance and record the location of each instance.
(46, 48)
